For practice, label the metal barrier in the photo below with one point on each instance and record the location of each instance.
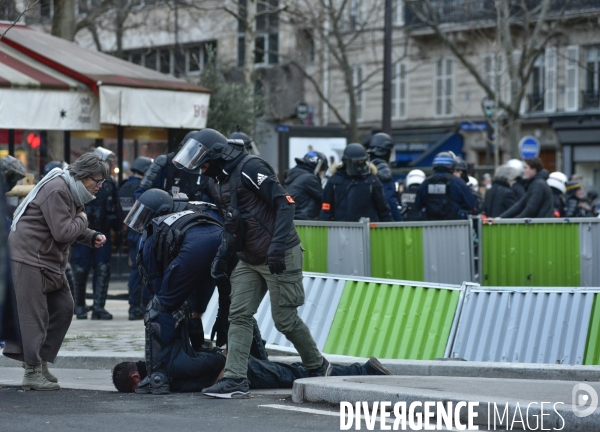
(366, 316)
(526, 325)
(540, 252)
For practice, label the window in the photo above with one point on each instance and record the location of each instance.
(443, 87)
(197, 56)
(536, 97)
(359, 95)
(592, 77)
(151, 59)
(355, 13)
(46, 9)
(399, 91)
(165, 61)
(550, 80)
(398, 13)
(266, 49)
(572, 78)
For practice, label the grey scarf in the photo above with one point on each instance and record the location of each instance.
(80, 194)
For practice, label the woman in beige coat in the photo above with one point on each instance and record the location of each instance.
(45, 225)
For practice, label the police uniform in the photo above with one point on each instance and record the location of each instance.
(445, 197)
(408, 201)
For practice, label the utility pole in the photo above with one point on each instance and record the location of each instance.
(387, 70)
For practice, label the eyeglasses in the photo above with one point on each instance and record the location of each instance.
(98, 182)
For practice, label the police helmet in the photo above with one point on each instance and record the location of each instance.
(473, 184)
(444, 160)
(13, 170)
(104, 154)
(186, 138)
(317, 161)
(206, 146)
(558, 181)
(151, 204)
(416, 176)
(380, 145)
(141, 165)
(54, 164)
(517, 165)
(248, 142)
(355, 160)
(460, 164)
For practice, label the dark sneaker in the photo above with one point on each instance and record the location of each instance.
(101, 314)
(135, 313)
(157, 384)
(229, 388)
(323, 371)
(375, 367)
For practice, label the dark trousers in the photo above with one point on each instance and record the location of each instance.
(43, 318)
(137, 294)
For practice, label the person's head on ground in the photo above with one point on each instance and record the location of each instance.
(126, 377)
(90, 170)
(531, 167)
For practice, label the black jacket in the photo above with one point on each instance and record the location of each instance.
(305, 187)
(577, 207)
(348, 199)
(499, 198)
(104, 213)
(537, 202)
(266, 209)
(559, 202)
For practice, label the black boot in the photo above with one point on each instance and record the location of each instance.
(101, 278)
(80, 276)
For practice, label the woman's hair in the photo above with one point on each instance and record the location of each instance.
(121, 376)
(535, 163)
(505, 173)
(88, 165)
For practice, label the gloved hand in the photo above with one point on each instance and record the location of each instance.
(220, 329)
(276, 257)
(218, 269)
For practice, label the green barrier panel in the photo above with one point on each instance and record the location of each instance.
(392, 321)
(314, 240)
(397, 253)
(544, 254)
(592, 347)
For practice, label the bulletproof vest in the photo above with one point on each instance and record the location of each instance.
(102, 211)
(180, 181)
(439, 204)
(169, 230)
(408, 199)
(126, 194)
(257, 215)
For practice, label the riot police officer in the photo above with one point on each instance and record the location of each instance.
(443, 196)
(249, 143)
(408, 199)
(258, 219)
(127, 198)
(380, 150)
(353, 192)
(162, 174)
(104, 214)
(179, 243)
(304, 184)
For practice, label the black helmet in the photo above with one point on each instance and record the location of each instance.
(444, 160)
(380, 145)
(54, 164)
(355, 160)
(248, 142)
(141, 165)
(13, 170)
(186, 138)
(317, 161)
(151, 204)
(460, 164)
(205, 146)
(104, 154)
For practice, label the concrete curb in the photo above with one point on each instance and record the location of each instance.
(334, 390)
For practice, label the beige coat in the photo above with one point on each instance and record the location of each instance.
(50, 224)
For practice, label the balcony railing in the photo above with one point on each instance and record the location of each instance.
(590, 99)
(466, 11)
(536, 102)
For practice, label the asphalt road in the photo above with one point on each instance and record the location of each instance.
(101, 411)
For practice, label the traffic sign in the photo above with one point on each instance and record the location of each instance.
(302, 111)
(529, 147)
(488, 106)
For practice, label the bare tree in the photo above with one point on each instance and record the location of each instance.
(346, 36)
(519, 30)
(10, 13)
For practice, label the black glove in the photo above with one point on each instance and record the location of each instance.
(218, 269)
(220, 328)
(276, 257)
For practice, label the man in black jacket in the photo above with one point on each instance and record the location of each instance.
(380, 151)
(258, 216)
(537, 201)
(303, 183)
(500, 197)
(354, 191)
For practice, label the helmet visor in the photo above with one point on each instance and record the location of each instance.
(137, 216)
(358, 168)
(190, 155)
